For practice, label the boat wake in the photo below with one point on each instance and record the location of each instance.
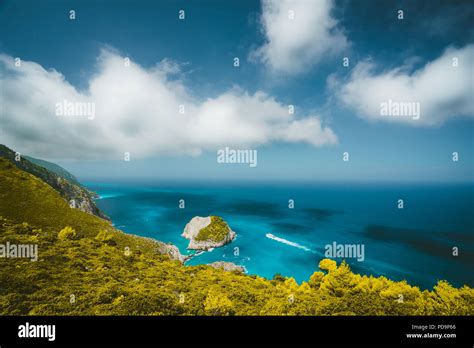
(287, 242)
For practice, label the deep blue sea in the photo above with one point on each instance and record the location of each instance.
(414, 243)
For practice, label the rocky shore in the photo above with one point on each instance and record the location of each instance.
(228, 266)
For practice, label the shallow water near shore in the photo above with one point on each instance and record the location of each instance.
(414, 243)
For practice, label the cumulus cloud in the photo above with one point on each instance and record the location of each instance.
(442, 90)
(294, 45)
(142, 111)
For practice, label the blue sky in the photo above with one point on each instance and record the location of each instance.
(301, 66)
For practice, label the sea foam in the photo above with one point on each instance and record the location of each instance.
(287, 242)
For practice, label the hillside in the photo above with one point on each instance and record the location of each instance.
(87, 267)
(53, 167)
(56, 177)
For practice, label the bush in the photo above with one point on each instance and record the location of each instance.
(327, 265)
(67, 233)
(105, 237)
(315, 280)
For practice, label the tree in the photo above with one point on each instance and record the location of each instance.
(327, 265)
(315, 280)
(339, 280)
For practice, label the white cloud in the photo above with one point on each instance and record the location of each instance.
(137, 111)
(442, 90)
(295, 45)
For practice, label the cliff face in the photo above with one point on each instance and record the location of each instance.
(58, 178)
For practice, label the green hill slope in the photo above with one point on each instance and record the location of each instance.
(57, 178)
(86, 267)
(53, 167)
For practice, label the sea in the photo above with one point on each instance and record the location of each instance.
(416, 232)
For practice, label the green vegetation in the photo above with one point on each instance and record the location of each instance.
(105, 237)
(56, 177)
(67, 233)
(216, 231)
(53, 167)
(103, 271)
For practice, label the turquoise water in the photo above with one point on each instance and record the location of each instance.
(414, 243)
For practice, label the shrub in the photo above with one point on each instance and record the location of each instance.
(105, 237)
(67, 233)
(315, 279)
(327, 265)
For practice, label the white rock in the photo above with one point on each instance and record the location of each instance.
(193, 227)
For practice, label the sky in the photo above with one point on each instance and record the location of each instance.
(166, 91)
